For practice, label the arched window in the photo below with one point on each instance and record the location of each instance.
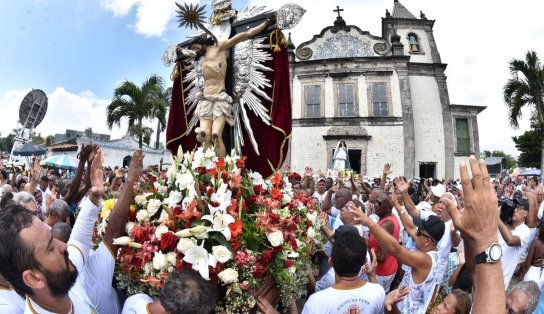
(413, 40)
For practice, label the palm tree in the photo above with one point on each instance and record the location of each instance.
(136, 104)
(526, 89)
(160, 113)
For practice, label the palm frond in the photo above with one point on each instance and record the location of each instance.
(117, 110)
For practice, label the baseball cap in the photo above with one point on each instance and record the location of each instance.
(438, 190)
(522, 202)
(433, 225)
(424, 206)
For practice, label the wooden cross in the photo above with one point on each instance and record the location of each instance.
(338, 10)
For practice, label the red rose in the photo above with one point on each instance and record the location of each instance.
(177, 210)
(138, 234)
(267, 256)
(251, 200)
(258, 189)
(293, 242)
(297, 219)
(168, 241)
(274, 217)
(225, 176)
(260, 271)
(288, 263)
(210, 192)
(201, 170)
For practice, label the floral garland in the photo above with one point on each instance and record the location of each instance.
(230, 224)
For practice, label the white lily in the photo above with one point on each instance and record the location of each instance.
(220, 222)
(200, 259)
(222, 196)
(199, 232)
(121, 240)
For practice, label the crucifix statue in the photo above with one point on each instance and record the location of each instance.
(228, 75)
(338, 10)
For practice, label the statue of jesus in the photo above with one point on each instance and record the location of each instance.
(214, 107)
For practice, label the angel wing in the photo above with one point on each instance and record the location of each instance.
(195, 84)
(249, 83)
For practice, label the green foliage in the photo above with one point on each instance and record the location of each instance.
(37, 139)
(530, 146)
(6, 143)
(138, 103)
(511, 161)
(525, 89)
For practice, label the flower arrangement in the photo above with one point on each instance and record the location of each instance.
(234, 227)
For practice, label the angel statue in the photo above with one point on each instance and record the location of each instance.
(234, 71)
(340, 160)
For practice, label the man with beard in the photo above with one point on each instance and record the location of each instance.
(46, 269)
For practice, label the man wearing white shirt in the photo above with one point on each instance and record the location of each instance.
(512, 238)
(44, 268)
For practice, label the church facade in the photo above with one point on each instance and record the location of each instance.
(386, 96)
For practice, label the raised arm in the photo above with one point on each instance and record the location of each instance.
(326, 206)
(420, 262)
(402, 186)
(407, 223)
(507, 235)
(238, 38)
(386, 171)
(76, 182)
(478, 226)
(532, 216)
(35, 177)
(119, 214)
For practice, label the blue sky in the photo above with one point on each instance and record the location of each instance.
(77, 51)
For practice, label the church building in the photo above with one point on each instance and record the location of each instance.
(385, 96)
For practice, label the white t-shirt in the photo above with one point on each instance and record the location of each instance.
(11, 302)
(511, 254)
(420, 294)
(137, 304)
(320, 197)
(540, 210)
(368, 298)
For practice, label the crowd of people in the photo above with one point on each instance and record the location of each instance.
(473, 245)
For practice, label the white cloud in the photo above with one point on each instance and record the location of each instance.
(475, 38)
(119, 7)
(65, 110)
(153, 17)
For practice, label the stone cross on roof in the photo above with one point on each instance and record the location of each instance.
(338, 10)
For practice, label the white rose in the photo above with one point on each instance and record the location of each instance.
(174, 198)
(221, 253)
(160, 231)
(129, 227)
(142, 215)
(292, 270)
(183, 180)
(163, 189)
(286, 199)
(229, 275)
(171, 258)
(148, 267)
(275, 238)
(185, 244)
(159, 261)
(311, 217)
(163, 217)
(153, 206)
(140, 199)
(310, 233)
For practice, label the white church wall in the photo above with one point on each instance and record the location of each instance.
(114, 157)
(308, 148)
(297, 97)
(385, 146)
(428, 124)
(395, 95)
(425, 56)
(329, 97)
(362, 94)
(456, 162)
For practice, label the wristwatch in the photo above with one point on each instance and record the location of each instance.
(491, 255)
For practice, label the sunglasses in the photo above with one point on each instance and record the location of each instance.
(419, 234)
(379, 202)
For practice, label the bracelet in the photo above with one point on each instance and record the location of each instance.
(402, 212)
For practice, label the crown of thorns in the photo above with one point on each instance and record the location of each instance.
(190, 15)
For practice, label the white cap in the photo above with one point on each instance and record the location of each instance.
(438, 190)
(424, 206)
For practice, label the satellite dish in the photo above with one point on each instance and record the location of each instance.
(33, 109)
(31, 114)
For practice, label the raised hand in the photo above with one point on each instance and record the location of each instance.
(387, 169)
(395, 297)
(479, 222)
(360, 215)
(309, 172)
(135, 168)
(36, 170)
(371, 270)
(400, 184)
(120, 173)
(393, 199)
(97, 178)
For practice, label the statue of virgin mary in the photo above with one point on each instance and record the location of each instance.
(340, 159)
